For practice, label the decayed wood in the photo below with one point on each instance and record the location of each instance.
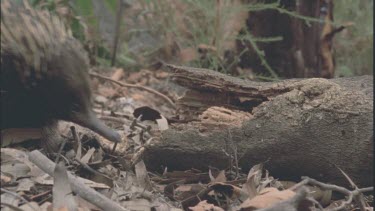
(300, 127)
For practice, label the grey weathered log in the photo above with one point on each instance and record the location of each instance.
(303, 127)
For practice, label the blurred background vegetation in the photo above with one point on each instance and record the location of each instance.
(195, 32)
(354, 46)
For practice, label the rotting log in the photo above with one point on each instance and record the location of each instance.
(301, 127)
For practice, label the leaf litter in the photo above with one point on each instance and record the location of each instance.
(118, 173)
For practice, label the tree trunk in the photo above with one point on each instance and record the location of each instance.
(306, 48)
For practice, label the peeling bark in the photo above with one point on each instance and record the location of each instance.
(301, 127)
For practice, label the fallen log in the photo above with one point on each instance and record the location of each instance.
(299, 127)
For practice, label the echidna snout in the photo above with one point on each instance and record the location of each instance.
(90, 121)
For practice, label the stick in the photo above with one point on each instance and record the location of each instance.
(77, 183)
(136, 86)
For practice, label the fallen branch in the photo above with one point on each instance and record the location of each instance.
(136, 86)
(78, 186)
(305, 124)
(17, 196)
(351, 194)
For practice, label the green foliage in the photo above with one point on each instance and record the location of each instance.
(112, 5)
(354, 46)
(203, 25)
(85, 9)
(200, 23)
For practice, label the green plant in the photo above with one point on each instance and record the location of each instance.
(354, 46)
(204, 22)
(165, 27)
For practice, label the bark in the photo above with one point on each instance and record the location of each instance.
(306, 49)
(301, 127)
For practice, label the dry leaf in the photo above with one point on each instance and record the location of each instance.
(231, 191)
(142, 175)
(62, 193)
(30, 206)
(267, 197)
(220, 177)
(85, 159)
(18, 135)
(204, 206)
(162, 123)
(118, 74)
(161, 74)
(137, 204)
(107, 92)
(253, 180)
(188, 55)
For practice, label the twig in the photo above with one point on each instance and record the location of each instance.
(17, 196)
(88, 168)
(74, 132)
(358, 198)
(292, 203)
(117, 31)
(135, 123)
(136, 86)
(235, 153)
(114, 148)
(312, 200)
(118, 116)
(78, 186)
(114, 119)
(60, 151)
(350, 194)
(11, 206)
(35, 197)
(77, 143)
(261, 55)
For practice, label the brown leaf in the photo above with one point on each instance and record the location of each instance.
(231, 191)
(138, 97)
(188, 54)
(203, 48)
(118, 74)
(267, 197)
(18, 135)
(220, 177)
(107, 92)
(253, 180)
(204, 206)
(5, 179)
(186, 191)
(161, 75)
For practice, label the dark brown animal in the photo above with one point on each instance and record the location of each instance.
(44, 72)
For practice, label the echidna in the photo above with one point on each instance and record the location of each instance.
(44, 72)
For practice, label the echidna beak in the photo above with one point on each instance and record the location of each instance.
(96, 125)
